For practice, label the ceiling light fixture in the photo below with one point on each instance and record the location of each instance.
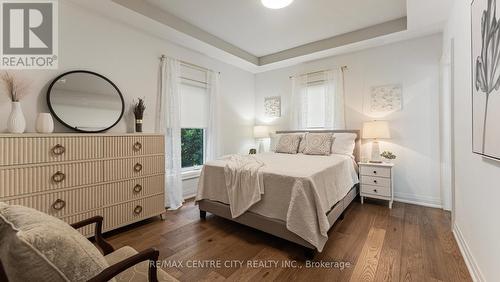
(276, 4)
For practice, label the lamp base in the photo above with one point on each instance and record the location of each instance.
(376, 153)
(260, 145)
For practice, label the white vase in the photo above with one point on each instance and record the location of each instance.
(16, 122)
(44, 123)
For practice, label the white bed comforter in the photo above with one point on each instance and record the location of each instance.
(298, 189)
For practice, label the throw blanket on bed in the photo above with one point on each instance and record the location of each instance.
(244, 182)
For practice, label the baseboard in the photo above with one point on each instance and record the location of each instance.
(474, 271)
(418, 200)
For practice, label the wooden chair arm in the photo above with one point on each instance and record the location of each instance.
(105, 246)
(148, 254)
(3, 275)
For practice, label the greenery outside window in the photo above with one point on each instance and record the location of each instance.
(192, 148)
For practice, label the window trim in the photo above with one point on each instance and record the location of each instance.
(190, 174)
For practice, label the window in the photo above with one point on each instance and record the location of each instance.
(192, 147)
(194, 116)
(316, 99)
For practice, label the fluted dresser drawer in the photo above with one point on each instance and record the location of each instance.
(133, 211)
(33, 150)
(77, 176)
(88, 230)
(122, 191)
(133, 167)
(63, 203)
(137, 145)
(18, 181)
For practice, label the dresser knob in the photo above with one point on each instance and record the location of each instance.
(374, 172)
(137, 146)
(375, 190)
(58, 150)
(138, 188)
(58, 177)
(59, 205)
(137, 167)
(374, 181)
(138, 210)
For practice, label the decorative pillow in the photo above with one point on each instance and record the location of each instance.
(344, 143)
(38, 247)
(275, 138)
(288, 143)
(318, 143)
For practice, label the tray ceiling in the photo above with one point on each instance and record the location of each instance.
(260, 31)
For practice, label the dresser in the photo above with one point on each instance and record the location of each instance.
(377, 181)
(76, 176)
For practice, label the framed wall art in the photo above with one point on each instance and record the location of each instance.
(385, 98)
(272, 106)
(485, 60)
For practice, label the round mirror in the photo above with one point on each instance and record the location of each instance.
(85, 101)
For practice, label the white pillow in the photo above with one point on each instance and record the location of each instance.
(275, 138)
(344, 143)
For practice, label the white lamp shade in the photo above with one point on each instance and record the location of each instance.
(260, 131)
(376, 130)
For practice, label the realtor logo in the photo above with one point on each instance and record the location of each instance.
(28, 35)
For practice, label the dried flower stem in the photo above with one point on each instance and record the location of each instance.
(139, 109)
(16, 89)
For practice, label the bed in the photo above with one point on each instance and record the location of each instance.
(303, 195)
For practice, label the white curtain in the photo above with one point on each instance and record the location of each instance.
(298, 109)
(168, 122)
(334, 106)
(212, 131)
(333, 83)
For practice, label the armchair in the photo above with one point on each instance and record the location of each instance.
(124, 264)
(109, 273)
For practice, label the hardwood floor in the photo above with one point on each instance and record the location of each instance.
(407, 243)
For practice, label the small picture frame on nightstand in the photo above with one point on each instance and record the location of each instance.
(376, 181)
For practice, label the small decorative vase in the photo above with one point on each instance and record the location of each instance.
(16, 122)
(44, 123)
(138, 125)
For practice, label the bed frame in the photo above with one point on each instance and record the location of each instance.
(278, 227)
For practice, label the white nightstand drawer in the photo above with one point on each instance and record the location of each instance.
(376, 190)
(376, 171)
(377, 181)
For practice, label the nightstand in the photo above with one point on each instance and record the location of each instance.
(377, 181)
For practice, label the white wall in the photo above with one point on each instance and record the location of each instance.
(415, 130)
(476, 179)
(129, 58)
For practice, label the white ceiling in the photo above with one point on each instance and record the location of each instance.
(259, 31)
(424, 17)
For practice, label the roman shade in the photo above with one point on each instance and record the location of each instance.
(194, 105)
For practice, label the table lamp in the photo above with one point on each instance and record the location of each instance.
(375, 130)
(260, 132)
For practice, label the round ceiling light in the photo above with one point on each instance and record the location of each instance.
(276, 4)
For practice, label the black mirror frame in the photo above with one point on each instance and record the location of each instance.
(74, 128)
